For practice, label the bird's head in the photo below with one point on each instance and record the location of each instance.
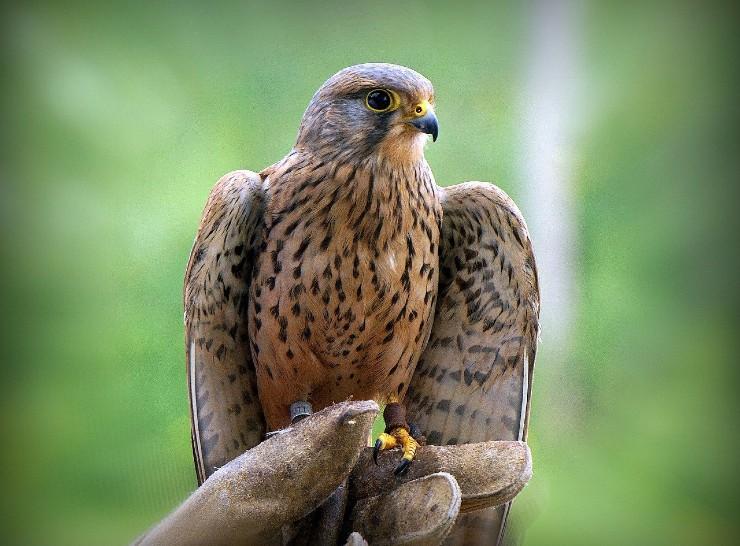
(370, 111)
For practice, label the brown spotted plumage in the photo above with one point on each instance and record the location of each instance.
(317, 280)
(474, 379)
(340, 307)
(226, 414)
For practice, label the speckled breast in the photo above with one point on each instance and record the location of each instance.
(345, 284)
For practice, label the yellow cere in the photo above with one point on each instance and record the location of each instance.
(422, 108)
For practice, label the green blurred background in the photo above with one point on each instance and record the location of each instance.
(116, 121)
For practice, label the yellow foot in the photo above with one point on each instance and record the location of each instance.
(399, 436)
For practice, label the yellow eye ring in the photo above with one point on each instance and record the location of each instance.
(382, 100)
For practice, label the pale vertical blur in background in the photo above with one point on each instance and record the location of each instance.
(613, 126)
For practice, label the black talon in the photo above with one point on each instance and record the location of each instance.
(402, 467)
(376, 449)
(414, 431)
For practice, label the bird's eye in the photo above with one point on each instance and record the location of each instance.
(379, 100)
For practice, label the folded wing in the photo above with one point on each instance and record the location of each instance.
(226, 415)
(473, 381)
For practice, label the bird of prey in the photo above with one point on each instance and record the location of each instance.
(343, 271)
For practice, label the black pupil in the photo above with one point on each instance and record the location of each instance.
(379, 100)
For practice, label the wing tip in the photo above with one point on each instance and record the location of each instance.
(194, 430)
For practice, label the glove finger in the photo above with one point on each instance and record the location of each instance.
(489, 473)
(420, 512)
(275, 483)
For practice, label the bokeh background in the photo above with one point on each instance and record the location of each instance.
(613, 125)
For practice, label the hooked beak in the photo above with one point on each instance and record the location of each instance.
(427, 123)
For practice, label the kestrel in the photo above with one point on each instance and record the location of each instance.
(343, 271)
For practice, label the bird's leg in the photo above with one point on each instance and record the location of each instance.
(299, 410)
(396, 434)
